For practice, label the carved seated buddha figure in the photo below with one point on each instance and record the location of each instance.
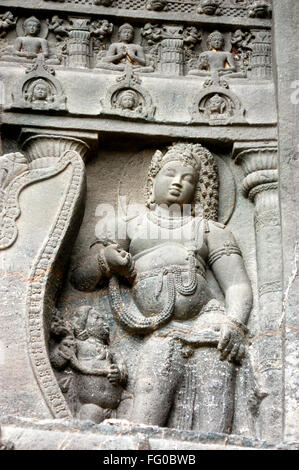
(164, 258)
(216, 60)
(29, 46)
(125, 51)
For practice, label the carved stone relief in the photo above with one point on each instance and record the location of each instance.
(178, 319)
(125, 51)
(217, 105)
(86, 370)
(128, 98)
(169, 49)
(30, 42)
(39, 89)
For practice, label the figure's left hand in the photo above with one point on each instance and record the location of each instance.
(114, 374)
(231, 343)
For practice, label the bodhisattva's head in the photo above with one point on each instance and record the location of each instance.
(175, 183)
(216, 41)
(128, 100)
(126, 33)
(32, 26)
(40, 91)
(185, 174)
(217, 104)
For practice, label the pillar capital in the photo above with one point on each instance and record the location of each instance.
(259, 162)
(43, 147)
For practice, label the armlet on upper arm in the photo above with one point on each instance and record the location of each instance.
(227, 249)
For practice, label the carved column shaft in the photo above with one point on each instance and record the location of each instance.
(261, 54)
(79, 44)
(260, 185)
(172, 56)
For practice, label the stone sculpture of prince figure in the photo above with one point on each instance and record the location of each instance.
(171, 303)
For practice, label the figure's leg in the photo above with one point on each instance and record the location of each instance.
(159, 371)
(94, 413)
(214, 402)
(145, 69)
(200, 73)
(110, 66)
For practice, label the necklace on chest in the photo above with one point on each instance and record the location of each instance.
(169, 222)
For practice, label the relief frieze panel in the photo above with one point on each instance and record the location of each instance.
(167, 49)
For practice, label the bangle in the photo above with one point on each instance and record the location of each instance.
(103, 265)
(239, 324)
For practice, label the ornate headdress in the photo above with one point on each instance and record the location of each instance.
(206, 192)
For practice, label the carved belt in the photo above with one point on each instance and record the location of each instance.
(130, 316)
(176, 272)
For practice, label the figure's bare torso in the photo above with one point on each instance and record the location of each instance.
(217, 59)
(154, 256)
(30, 45)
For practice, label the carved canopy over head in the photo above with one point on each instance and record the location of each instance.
(206, 192)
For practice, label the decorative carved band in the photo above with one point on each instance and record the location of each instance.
(260, 177)
(267, 287)
(38, 283)
(262, 187)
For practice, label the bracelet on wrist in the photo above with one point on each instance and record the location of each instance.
(239, 324)
(103, 265)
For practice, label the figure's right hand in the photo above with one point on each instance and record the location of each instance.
(119, 260)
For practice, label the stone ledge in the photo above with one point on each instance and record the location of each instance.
(141, 14)
(28, 434)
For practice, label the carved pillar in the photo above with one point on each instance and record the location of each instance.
(37, 234)
(260, 185)
(79, 43)
(261, 62)
(172, 51)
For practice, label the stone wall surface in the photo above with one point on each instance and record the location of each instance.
(148, 224)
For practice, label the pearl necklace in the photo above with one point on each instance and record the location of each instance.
(170, 223)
